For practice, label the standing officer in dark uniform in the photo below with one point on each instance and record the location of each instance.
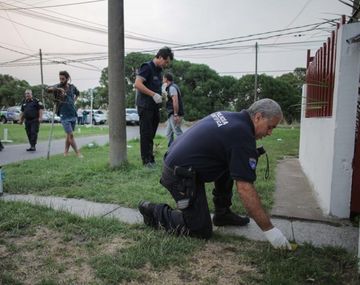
(31, 111)
(219, 148)
(148, 85)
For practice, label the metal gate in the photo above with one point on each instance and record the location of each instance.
(320, 77)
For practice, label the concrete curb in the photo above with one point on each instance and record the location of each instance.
(316, 233)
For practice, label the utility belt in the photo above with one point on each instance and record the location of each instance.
(183, 186)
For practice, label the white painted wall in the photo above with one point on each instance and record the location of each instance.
(316, 149)
(327, 144)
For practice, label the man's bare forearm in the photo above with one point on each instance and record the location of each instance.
(175, 104)
(252, 204)
(139, 85)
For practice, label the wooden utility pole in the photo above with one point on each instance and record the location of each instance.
(116, 69)
(256, 72)
(356, 10)
(42, 79)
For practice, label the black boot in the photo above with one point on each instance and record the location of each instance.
(32, 148)
(225, 217)
(147, 211)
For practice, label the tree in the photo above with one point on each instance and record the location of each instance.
(296, 80)
(12, 90)
(279, 90)
(205, 91)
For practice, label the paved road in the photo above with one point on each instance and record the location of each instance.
(15, 153)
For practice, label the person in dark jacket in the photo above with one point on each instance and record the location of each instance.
(148, 86)
(31, 112)
(220, 148)
(174, 107)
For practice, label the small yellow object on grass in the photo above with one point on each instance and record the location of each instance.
(294, 246)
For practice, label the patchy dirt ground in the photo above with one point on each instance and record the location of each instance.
(217, 263)
(45, 254)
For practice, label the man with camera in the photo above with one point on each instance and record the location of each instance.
(65, 95)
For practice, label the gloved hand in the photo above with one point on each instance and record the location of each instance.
(277, 239)
(163, 90)
(157, 98)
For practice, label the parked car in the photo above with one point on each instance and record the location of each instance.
(3, 116)
(98, 117)
(13, 114)
(132, 116)
(47, 117)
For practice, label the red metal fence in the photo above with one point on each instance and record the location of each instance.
(320, 76)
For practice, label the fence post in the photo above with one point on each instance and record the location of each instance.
(6, 136)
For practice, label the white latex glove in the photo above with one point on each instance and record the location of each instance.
(277, 239)
(163, 90)
(157, 98)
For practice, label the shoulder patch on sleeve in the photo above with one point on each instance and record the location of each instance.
(252, 163)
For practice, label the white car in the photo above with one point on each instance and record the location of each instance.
(132, 116)
(13, 114)
(98, 117)
(47, 117)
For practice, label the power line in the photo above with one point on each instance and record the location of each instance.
(103, 55)
(53, 6)
(73, 24)
(235, 39)
(53, 34)
(64, 15)
(252, 71)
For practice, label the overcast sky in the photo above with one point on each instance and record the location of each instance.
(68, 34)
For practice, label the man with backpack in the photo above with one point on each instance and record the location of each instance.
(174, 107)
(148, 86)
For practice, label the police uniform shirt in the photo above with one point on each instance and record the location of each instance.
(31, 108)
(67, 109)
(152, 79)
(221, 142)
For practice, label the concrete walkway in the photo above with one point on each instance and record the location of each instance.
(294, 197)
(17, 152)
(318, 234)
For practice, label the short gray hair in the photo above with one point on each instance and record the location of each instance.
(268, 108)
(28, 91)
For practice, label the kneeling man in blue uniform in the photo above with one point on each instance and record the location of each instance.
(221, 148)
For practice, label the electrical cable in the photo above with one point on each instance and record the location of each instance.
(53, 34)
(74, 24)
(267, 170)
(53, 6)
(254, 35)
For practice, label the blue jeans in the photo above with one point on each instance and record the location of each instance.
(172, 129)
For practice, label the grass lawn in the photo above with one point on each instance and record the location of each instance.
(17, 133)
(92, 179)
(41, 246)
